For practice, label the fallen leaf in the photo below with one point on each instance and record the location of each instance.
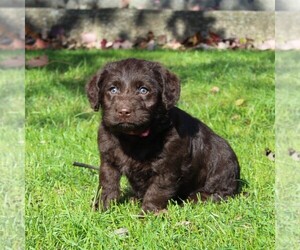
(151, 45)
(109, 45)
(215, 90)
(14, 45)
(121, 232)
(4, 40)
(239, 102)
(204, 46)
(14, 62)
(40, 44)
(267, 45)
(235, 117)
(213, 38)
(39, 61)
(294, 154)
(162, 40)
(183, 223)
(289, 45)
(174, 45)
(88, 37)
(223, 45)
(126, 44)
(103, 43)
(243, 40)
(270, 154)
(238, 217)
(56, 32)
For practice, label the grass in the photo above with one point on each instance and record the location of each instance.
(61, 128)
(287, 136)
(11, 155)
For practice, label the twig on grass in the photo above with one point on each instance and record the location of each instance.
(83, 165)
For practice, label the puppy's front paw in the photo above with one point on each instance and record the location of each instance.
(103, 200)
(108, 199)
(151, 207)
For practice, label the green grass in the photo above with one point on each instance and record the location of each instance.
(61, 128)
(12, 155)
(287, 136)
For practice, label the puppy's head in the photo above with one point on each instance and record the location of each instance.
(130, 93)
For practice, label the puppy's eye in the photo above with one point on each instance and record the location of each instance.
(113, 90)
(143, 90)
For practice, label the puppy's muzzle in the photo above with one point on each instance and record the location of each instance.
(124, 113)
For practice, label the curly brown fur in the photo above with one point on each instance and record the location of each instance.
(164, 152)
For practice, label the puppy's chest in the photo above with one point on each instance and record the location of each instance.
(131, 166)
(136, 167)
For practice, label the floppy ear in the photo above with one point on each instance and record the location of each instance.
(93, 90)
(171, 88)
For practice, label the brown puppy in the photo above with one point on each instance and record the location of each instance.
(164, 152)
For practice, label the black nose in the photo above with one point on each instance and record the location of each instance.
(124, 112)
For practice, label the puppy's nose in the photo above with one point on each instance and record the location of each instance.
(124, 112)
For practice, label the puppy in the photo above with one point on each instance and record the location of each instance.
(164, 152)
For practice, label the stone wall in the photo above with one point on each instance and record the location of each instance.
(287, 5)
(130, 23)
(12, 22)
(287, 26)
(263, 5)
(12, 4)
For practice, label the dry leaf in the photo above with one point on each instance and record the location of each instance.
(121, 232)
(14, 44)
(39, 61)
(294, 154)
(215, 90)
(270, 154)
(267, 45)
(183, 223)
(88, 37)
(239, 102)
(14, 62)
(173, 45)
(41, 44)
(223, 45)
(235, 117)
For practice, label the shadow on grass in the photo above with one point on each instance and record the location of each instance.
(88, 62)
(128, 195)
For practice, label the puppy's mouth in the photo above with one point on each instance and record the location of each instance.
(132, 129)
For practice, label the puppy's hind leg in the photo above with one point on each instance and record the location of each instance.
(215, 190)
(207, 196)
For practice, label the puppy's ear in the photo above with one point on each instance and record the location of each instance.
(93, 90)
(171, 88)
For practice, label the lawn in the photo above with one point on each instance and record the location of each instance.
(11, 154)
(62, 128)
(287, 136)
